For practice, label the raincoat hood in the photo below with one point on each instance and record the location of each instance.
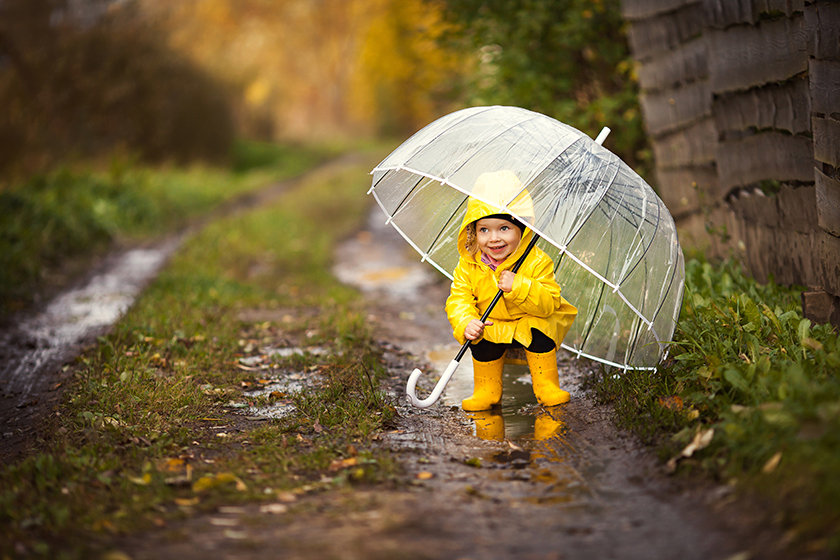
(497, 192)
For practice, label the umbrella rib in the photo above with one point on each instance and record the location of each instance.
(595, 206)
(625, 367)
(420, 251)
(435, 240)
(393, 214)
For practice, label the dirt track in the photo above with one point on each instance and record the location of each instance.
(565, 484)
(543, 485)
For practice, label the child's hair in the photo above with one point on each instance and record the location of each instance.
(472, 241)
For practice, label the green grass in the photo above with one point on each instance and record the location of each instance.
(747, 364)
(135, 443)
(49, 220)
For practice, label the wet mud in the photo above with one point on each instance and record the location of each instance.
(518, 482)
(35, 345)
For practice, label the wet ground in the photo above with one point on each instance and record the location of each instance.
(519, 482)
(37, 344)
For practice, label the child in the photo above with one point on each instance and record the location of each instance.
(531, 314)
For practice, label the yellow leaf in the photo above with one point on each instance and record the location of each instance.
(172, 465)
(339, 464)
(424, 475)
(141, 480)
(771, 464)
(212, 481)
(186, 502)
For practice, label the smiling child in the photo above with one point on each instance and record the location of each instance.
(531, 314)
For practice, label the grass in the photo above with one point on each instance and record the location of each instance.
(49, 220)
(147, 431)
(750, 373)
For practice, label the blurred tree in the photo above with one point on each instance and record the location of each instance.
(406, 75)
(566, 58)
(307, 68)
(84, 77)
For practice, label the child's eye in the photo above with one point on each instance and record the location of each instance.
(483, 230)
(505, 228)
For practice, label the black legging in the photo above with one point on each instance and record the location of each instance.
(486, 351)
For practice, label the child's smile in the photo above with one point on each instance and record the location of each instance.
(497, 238)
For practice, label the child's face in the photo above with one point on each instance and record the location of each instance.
(496, 237)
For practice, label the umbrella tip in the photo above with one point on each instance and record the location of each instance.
(602, 135)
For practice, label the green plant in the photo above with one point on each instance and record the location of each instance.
(566, 58)
(745, 363)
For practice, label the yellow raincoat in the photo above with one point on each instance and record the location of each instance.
(535, 300)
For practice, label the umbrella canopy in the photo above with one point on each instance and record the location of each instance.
(614, 244)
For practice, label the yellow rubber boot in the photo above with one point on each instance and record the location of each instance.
(487, 377)
(545, 378)
(489, 425)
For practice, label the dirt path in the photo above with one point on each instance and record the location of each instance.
(35, 344)
(524, 484)
(521, 484)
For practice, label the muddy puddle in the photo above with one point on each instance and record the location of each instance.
(34, 348)
(571, 481)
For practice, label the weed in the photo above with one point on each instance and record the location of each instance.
(745, 362)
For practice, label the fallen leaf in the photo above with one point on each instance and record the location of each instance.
(671, 403)
(772, 463)
(212, 481)
(186, 502)
(701, 440)
(224, 522)
(424, 475)
(286, 497)
(141, 480)
(274, 508)
(172, 465)
(339, 464)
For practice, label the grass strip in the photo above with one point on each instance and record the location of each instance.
(50, 219)
(157, 424)
(750, 396)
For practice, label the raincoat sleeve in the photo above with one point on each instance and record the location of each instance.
(461, 304)
(536, 291)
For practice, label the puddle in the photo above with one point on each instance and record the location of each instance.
(50, 337)
(379, 261)
(281, 387)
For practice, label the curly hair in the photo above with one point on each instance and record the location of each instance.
(471, 244)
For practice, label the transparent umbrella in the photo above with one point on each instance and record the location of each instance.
(614, 244)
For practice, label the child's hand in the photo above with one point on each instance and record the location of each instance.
(506, 280)
(475, 329)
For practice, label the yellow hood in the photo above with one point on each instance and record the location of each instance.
(498, 192)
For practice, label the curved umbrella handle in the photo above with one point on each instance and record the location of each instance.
(435, 394)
